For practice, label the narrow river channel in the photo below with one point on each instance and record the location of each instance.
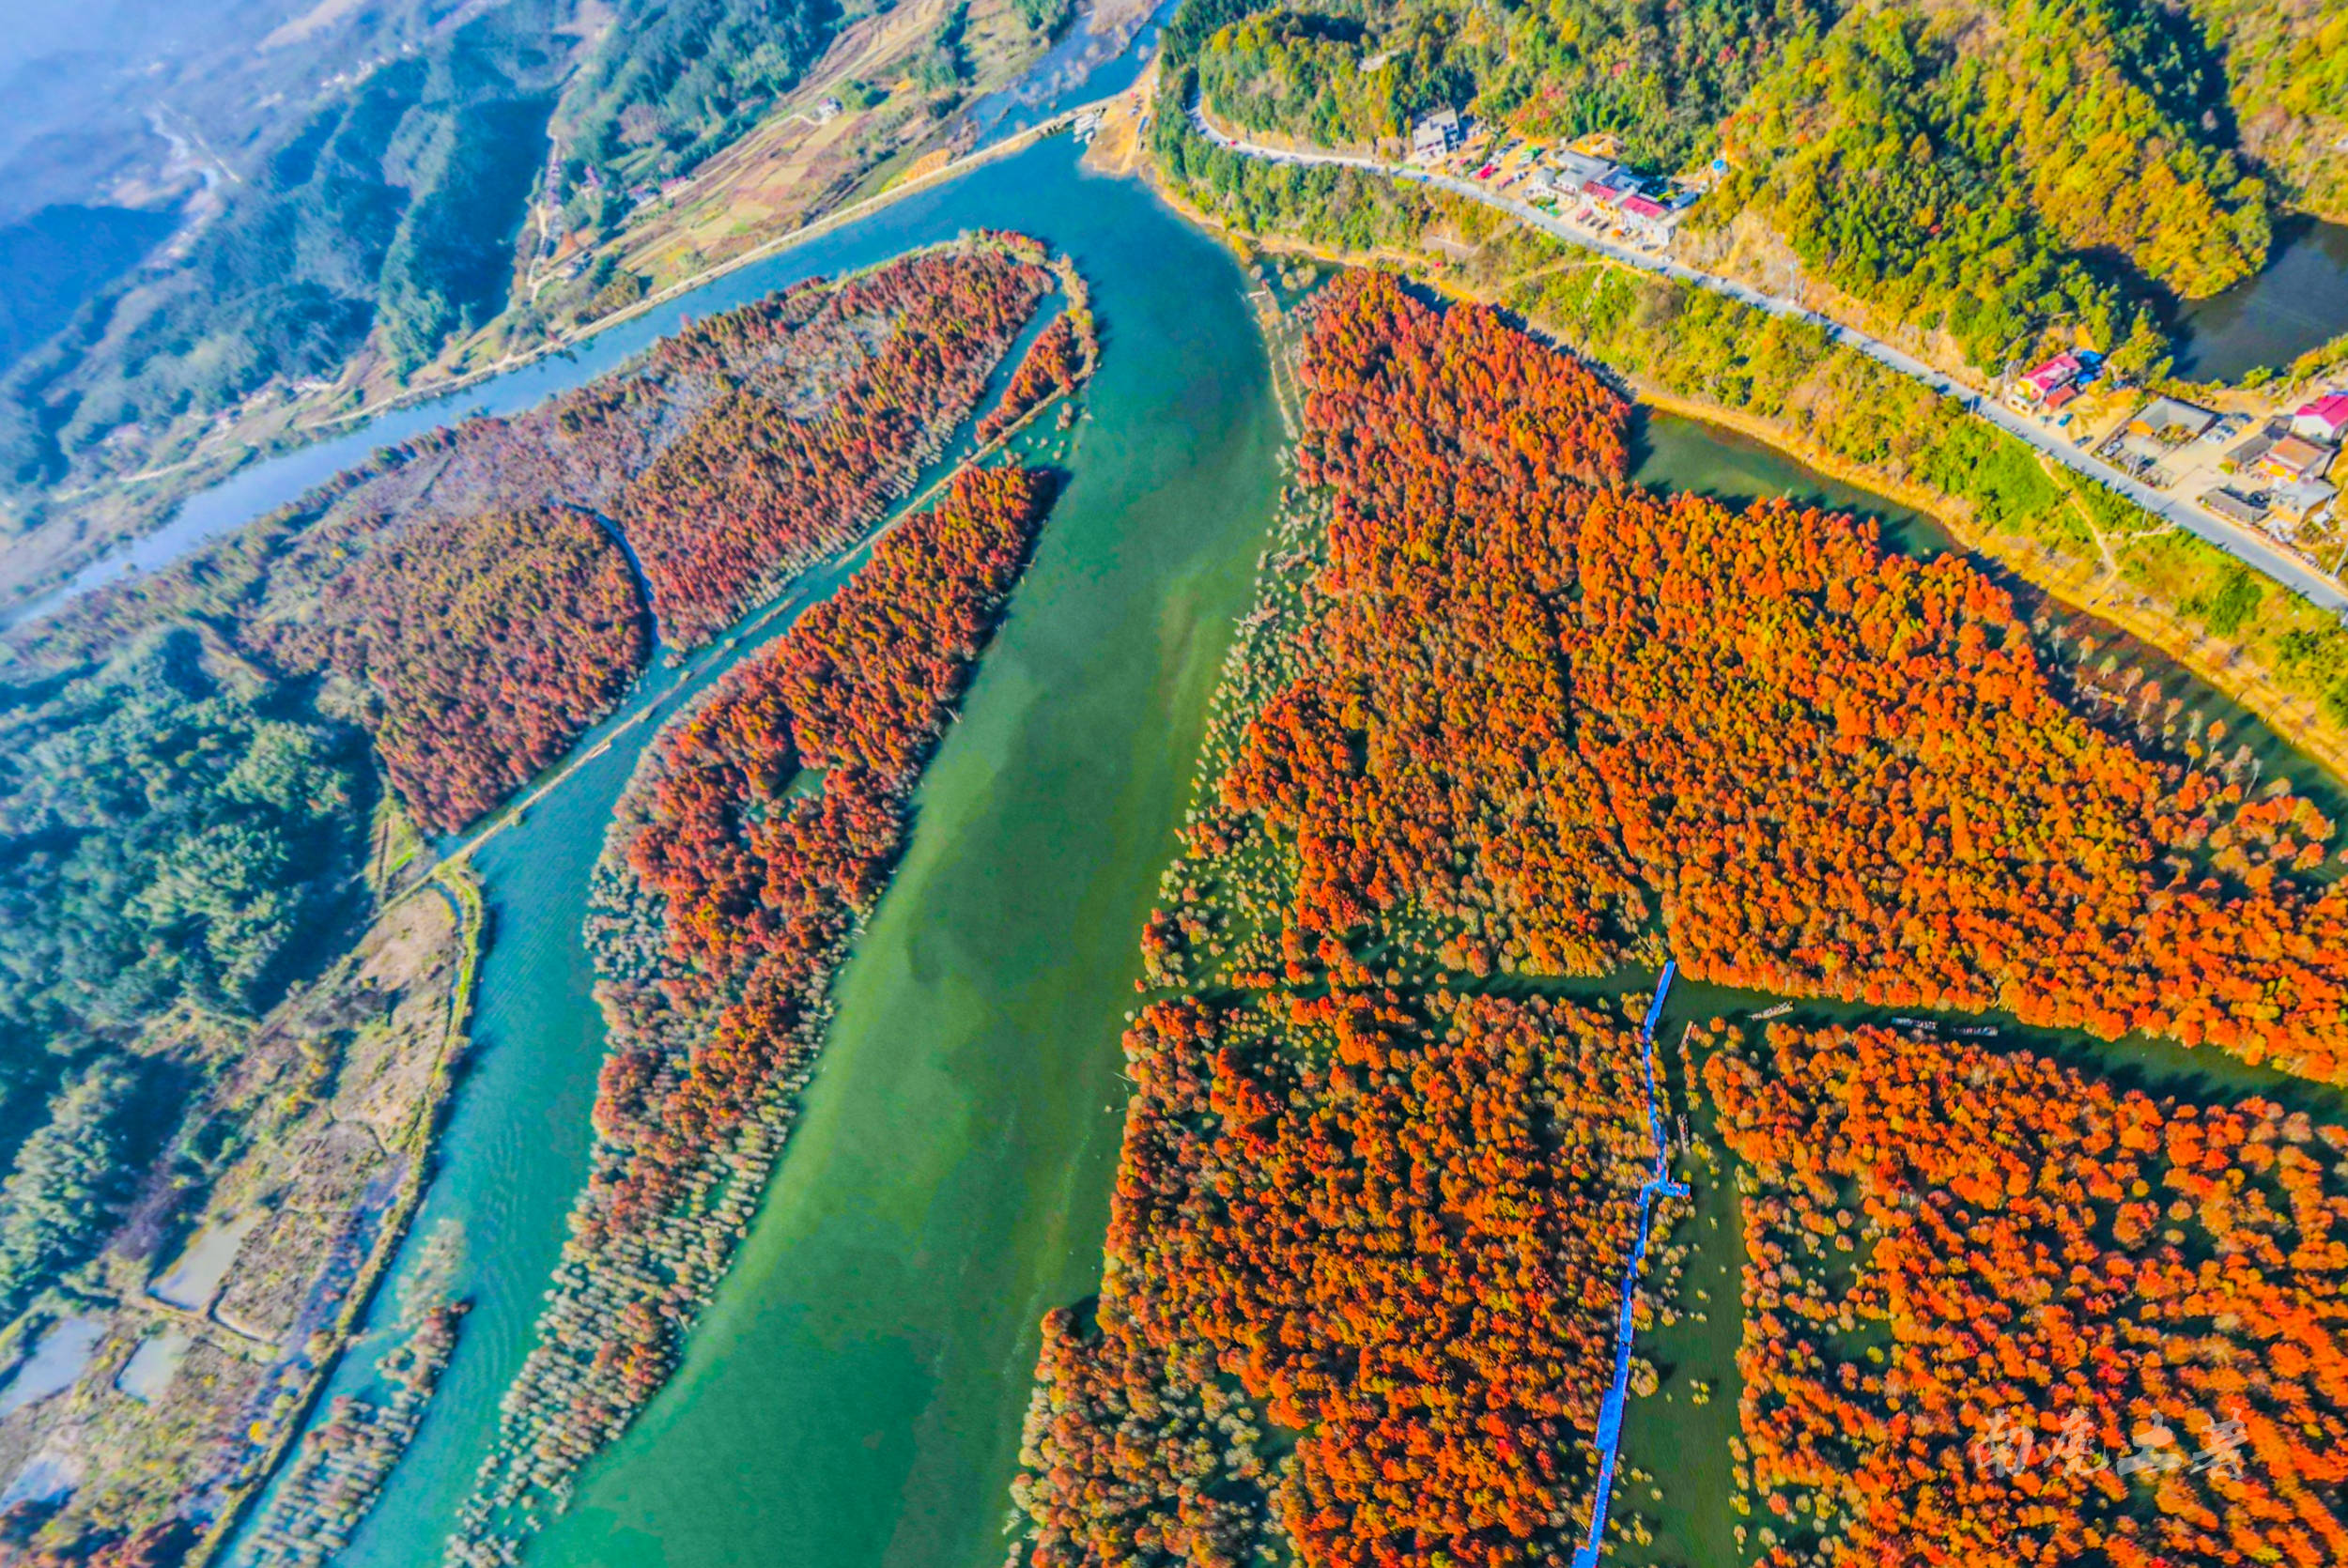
(854, 1394)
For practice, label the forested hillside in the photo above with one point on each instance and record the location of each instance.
(2008, 172)
(398, 203)
(1996, 178)
(57, 258)
(673, 82)
(389, 217)
(2287, 79)
(1660, 77)
(173, 829)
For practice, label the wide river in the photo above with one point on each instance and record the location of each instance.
(852, 1397)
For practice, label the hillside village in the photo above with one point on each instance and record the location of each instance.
(2274, 467)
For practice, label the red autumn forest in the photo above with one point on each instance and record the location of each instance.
(1055, 362)
(483, 643)
(763, 483)
(473, 586)
(751, 848)
(1398, 1233)
(1536, 699)
(1505, 720)
(2039, 1255)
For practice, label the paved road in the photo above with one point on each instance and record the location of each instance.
(2246, 544)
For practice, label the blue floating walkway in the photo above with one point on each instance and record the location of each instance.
(1657, 1185)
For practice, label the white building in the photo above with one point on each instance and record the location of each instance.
(1436, 134)
(2325, 419)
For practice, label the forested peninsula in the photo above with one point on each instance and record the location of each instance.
(233, 799)
(745, 859)
(1505, 734)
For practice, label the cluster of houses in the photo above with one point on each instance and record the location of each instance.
(1597, 192)
(2279, 475)
(1579, 181)
(2274, 479)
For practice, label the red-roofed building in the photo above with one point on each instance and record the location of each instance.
(1613, 190)
(2323, 420)
(2032, 388)
(1648, 219)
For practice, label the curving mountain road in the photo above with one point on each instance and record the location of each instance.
(2245, 544)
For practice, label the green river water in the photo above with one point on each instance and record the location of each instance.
(854, 1392)
(852, 1397)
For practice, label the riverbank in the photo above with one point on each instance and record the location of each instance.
(301, 1140)
(2255, 548)
(715, 1022)
(2306, 698)
(846, 1391)
(258, 1242)
(461, 891)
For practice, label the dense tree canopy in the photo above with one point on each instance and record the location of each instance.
(1399, 1235)
(473, 586)
(68, 1180)
(167, 833)
(750, 850)
(1968, 180)
(483, 645)
(771, 478)
(1502, 719)
(2056, 1278)
(2287, 84)
(1838, 771)
(188, 756)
